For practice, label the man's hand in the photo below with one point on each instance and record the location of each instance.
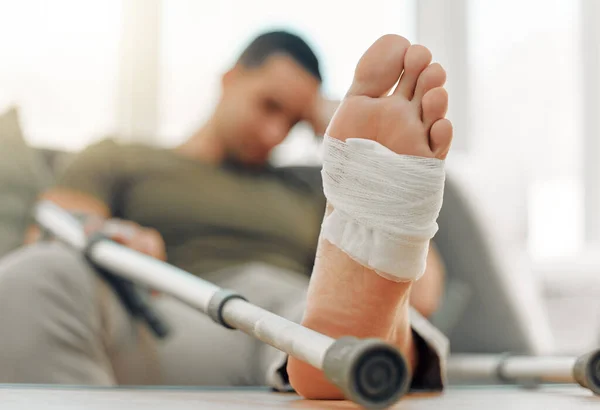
(145, 240)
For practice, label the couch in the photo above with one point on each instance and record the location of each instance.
(482, 311)
(24, 172)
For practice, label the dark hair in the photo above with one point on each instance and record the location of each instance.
(280, 42)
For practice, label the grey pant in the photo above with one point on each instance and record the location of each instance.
(60, 323)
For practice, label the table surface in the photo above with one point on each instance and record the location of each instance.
(464, 398)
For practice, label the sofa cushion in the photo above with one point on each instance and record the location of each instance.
(22, 177)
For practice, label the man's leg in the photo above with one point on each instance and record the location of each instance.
(201, 352)
(61, 324)
(344, 297)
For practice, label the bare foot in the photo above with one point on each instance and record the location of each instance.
(346, 298)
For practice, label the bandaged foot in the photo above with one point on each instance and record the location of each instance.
(383, 177)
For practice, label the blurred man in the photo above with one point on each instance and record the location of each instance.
(215, 207)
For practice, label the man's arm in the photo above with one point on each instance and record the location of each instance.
(90, 187)
(70, 200)
(88, 184)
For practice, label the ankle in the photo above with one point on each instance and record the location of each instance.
(376, 309)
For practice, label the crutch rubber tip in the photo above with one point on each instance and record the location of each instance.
(587, 371)
(369, 372)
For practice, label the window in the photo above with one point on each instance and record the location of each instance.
(526, 118)
(82, 70)
(60, 67)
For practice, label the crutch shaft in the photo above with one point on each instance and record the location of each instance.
(584, 370)
(370, 372)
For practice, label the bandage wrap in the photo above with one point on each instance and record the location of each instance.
(385, 205)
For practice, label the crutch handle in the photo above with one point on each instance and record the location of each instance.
(127, 292)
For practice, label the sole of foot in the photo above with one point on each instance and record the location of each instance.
(397, 99)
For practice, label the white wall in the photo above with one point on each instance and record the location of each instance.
(59, 63)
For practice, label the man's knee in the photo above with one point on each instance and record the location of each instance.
(43, 271)
(50, 318)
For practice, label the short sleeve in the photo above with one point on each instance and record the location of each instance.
(97, 171)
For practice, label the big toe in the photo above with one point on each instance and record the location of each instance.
(380, 67)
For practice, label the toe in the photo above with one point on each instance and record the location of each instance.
(417, 58)
(440, 138)
(435, 106)
(432, 77)
(380, 67)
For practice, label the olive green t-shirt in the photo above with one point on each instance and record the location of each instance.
(210, 216)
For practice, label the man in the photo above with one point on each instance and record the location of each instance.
(214, 207)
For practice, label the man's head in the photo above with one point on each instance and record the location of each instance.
(273, 85)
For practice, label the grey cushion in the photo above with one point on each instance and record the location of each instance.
(22, 177)
(485, 310)
(480, 313)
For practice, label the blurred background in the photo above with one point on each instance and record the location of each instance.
(523, 78)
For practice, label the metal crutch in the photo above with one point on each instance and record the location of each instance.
(526, 370)
(369, 372)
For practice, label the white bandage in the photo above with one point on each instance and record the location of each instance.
(385, 205)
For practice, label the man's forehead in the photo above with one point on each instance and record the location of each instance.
(281, 64)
